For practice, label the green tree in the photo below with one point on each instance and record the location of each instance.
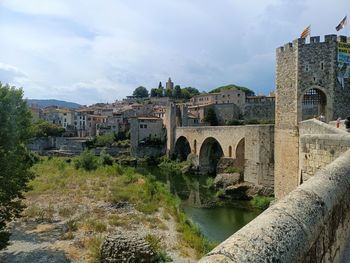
(15, 159)
(192, 91)
(247, 91)
(140, 92)
(177, 92)
(156, 92)
(43, 128)
(185, 94)
(153, 92)
(210, 117)
(168, 93)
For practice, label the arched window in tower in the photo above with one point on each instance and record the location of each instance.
(230, 151)
(195, 147)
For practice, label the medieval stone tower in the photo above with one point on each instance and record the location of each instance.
(309, 82)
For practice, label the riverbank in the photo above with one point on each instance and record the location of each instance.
(70, 211)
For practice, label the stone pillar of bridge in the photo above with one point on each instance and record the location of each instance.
(170, 124)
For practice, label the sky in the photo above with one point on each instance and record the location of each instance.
(89, 51)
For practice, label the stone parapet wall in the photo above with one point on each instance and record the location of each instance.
(319, 150)
(314, 126)
(311, 224)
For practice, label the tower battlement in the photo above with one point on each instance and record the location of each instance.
(300, 42)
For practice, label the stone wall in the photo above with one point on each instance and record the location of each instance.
(226, 112)
(320, 144)
(319, 150)
(67, 144)
(314, 126)
(259, 111)
(145, 151)
(259, 149)
(286, 132)
(311, 224)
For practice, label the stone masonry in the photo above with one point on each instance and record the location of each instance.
(257, 152)
(300, 67)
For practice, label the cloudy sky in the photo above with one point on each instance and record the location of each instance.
(90, 51)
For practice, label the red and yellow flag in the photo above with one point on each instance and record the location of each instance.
(306, 32)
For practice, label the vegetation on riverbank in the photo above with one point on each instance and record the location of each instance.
(67, 185)
(261, 202)
(211, 195)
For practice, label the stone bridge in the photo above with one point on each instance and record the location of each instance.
(311, 223)
(249, 148)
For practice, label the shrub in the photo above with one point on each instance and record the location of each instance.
(235, 122)
(96, 225)
(105, 139)
(86, 161)
(156, 245)
(94, 246)
(105, 158)
(261, 202)
(232, 170)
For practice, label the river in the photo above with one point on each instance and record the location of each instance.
(216, 223)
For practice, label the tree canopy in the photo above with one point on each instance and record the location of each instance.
(210, 117)
(43, 128)
(177, 92)
(140, 92)
(247, 91)
(15, 159)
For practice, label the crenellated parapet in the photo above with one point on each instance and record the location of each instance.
(300, 42)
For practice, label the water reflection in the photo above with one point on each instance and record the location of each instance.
(217, 223)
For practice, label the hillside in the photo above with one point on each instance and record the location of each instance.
(53, 102)
(247, 91)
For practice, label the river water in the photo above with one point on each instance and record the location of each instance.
(219, 223)
(216, 223)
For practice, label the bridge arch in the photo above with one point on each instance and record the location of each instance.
(209, 155)
(182, 148)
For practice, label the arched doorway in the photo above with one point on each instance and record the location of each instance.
(313, 104)
(209, 155)
(240, 153)
(182, 149)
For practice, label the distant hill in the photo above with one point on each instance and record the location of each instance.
(59, 103)
(247, 91)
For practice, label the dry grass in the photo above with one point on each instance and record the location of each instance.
(75, 197)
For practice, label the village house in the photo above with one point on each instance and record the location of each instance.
(227, 96)
(147, 136)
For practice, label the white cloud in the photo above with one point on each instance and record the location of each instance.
(11, 74)
(87, 51)
(37, 7)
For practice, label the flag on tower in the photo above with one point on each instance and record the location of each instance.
(342, 24)
(306, 32)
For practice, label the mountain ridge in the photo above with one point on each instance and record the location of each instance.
(42, 103)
